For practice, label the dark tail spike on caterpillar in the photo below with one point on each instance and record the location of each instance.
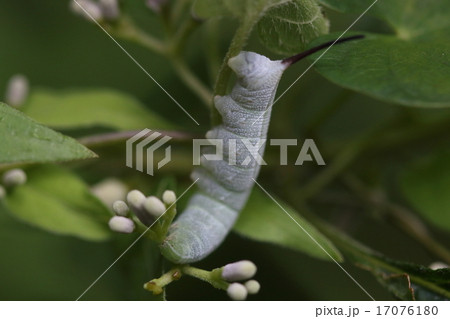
(294, 59)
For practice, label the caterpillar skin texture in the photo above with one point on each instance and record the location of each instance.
(225, 188)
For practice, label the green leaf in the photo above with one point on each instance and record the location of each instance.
(263, 220)
(408, 18)
(236, 8)
(406, 281)
(409, 67)
(426, 185)
(25, 141)
(86, 108)
(287, 28)
(408, 72)
(56, 200)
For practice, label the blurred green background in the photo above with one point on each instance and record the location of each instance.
(56, 49)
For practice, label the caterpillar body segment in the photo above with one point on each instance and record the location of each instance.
(225, 188)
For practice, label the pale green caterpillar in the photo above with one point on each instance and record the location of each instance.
(225, 188)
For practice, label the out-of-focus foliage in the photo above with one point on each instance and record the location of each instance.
(426, 185)
(59, 202)
(263, 220)
(86, 108)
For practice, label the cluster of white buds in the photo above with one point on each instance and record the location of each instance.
(149, 209)
(121, 223)
(98, 10)
(14, 177)
(240, 271)
(155, 5)
(17, 90)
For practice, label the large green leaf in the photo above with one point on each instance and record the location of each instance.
(263, 220)
(24, 140)
(408, 72)
(287, 28)
(426, 185)
(408, 18)
(57, 201)
(86, 108)
(409, 67)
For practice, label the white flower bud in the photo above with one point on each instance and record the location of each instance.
(169, 198)
(17, 90)
(14, 177)
(120, 208)
(110, 9)
(240, 270)
(237, 291)
(154, 206)
(2, 192)
(110, 190)
(121, 224)
(87, 9)
(252, 287)
(136, 201)
(438, 265)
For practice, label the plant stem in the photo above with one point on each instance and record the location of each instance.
(178, 8)
(191, 80)
(129, 31)
(126, 29)
(212, 277)
(167, 220)
(212, 49)
(156, 285)
(403, 218)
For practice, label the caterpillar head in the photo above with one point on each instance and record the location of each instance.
(255, 70)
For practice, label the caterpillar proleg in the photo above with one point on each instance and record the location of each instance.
(224, 188)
